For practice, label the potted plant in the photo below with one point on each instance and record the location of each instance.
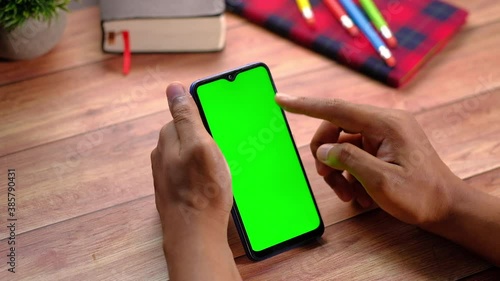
(30, 28)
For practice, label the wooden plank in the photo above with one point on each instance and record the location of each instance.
(478, 115)
(31, 108)
(491, 274)
(372, 246)
(488, 182)
(124, 242)
(481, 12)
(80, 175)
(94, 245)
(100, 169)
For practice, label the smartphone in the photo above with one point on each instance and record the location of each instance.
(274, 207)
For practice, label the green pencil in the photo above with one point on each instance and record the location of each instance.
(379, 22)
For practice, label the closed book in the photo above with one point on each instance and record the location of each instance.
(421, 27)
(156, 26)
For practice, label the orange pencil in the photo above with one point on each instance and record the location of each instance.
(339, 12)
(306, 10)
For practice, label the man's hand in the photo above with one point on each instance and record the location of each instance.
(191, 177)
(193, 195)
(366, 153)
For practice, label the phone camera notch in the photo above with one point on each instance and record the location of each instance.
(231, 77)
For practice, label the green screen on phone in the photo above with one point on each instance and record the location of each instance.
(271, 191)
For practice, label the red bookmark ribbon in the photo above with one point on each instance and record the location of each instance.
(126, 52)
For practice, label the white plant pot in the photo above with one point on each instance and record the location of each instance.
(33, 39)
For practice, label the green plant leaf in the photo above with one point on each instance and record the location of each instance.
(14, 13)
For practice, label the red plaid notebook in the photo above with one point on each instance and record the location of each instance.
(422, 28)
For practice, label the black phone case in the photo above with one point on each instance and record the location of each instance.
(286, 245)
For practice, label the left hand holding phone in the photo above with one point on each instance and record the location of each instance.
(193, 195)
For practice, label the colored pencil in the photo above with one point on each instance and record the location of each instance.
(341, 15)
(306, 10)
(379, 22)
(366, 28)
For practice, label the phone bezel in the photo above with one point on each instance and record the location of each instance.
(288, 244)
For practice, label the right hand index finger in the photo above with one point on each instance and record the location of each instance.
(353, 118)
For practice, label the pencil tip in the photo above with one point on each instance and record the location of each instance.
(392, 42)
(354, 31)
(391, 61)
(311, 22)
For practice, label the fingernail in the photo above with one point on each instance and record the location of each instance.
(284, 97)
(323, 151)
(341, 193)
(364, 202)
(347, 196)
(174, 91)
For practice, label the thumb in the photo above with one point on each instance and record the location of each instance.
(366, 168)
(186, 116)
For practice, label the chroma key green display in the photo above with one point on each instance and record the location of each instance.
(274, 205)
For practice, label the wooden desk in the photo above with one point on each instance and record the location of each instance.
(79, 135)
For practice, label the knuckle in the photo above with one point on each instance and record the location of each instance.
(164, 132)
(401, 124)
(406, 118)
(333, 103)
(402, 117)
(182, 113)
(420, 217)
(381, 181)
(162, 137)
(302, 99)
(153, 155)
(155, 158)
(314, 147)
(201, 148)
(406, 115)
(345, 154)
(396, 121)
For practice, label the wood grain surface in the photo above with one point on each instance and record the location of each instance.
(79, 135)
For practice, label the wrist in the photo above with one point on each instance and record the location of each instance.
(455, 191)
(174, 236)
(193, 228)
(204, 249)
(472, 222)
(184, 248)
(452, 193)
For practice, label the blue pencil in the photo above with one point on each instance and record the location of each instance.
(370, 33)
